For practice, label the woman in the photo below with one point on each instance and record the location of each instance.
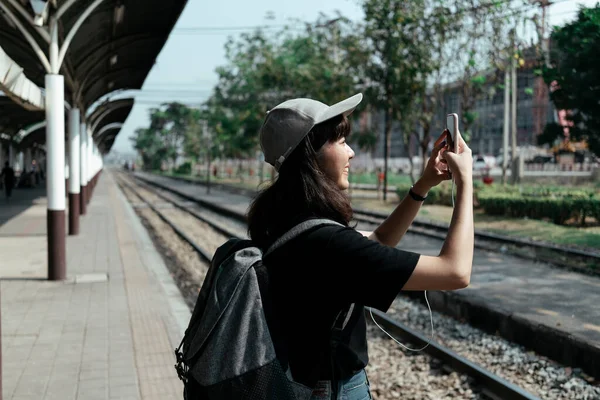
(330, 267)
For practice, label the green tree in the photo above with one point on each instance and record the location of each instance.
(163, 140)
(576, 77)
(396, 73)
(150, 147)
(441, 34)
(262, 71)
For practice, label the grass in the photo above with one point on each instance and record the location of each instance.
(393, 179)
(246, 184)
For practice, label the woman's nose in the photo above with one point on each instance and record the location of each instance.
(350, 152)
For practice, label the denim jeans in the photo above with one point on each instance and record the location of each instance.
(355, 388)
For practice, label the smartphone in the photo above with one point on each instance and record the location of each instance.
(452, 126)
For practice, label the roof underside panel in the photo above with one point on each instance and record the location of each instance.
(13, 117)
(16, 85)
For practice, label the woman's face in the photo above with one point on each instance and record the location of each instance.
(334, 161)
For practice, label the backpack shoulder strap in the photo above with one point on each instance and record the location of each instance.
(297, 230)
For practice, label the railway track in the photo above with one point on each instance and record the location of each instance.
(492, 386)
(582, 261)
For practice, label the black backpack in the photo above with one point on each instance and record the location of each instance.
(229, 348)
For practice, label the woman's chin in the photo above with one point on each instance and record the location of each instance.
(344, 184)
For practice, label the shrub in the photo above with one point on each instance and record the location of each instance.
(558, 209)
(184, 169)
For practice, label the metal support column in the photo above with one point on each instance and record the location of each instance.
(74, 179)
(55, 145)
(88, 167)
(55, 162)
(83, 167)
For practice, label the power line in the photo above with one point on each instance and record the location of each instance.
(227, 29)
(233, 28)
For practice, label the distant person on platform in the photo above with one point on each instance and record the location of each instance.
(8, 176)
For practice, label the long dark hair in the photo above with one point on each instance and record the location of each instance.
(301, 189)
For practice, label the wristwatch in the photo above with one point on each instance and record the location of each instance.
(415, 196)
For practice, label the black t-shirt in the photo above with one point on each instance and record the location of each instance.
(317, 274)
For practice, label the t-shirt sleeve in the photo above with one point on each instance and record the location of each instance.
(363, 270)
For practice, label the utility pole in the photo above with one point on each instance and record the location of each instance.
(514, 85)
(541, 90)
(508, 78)
(387, 148)
(208, 140)
(505, 127)
(544, 42)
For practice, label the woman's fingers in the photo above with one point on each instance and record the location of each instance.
(441, 138)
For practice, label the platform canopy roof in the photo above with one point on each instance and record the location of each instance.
(114, 49)
(106, 121)
(13, 117)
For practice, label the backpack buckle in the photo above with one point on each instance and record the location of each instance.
(180, 366)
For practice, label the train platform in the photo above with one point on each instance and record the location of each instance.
(106, 332)
(548, 309)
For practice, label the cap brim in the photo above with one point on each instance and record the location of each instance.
(344, 107)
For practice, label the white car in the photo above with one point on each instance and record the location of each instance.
(480, 164)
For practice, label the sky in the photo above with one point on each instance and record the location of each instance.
(185, 68)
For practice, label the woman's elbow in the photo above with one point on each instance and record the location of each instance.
(463, 282)
(462, 279)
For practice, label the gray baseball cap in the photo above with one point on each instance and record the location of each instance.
(289, 122)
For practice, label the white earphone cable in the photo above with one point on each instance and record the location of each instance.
(428, 307)
(394, 339)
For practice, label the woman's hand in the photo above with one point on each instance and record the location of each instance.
(461, 164)
(436, 170)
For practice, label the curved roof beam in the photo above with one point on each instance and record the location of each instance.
(21, 10)
(74, 28)
(32, 42)
(106, 104)
(130, 77)
(109, 133)
(103, 100)
(23, 133)
(35, 139)
(105, 143)
(105, 128)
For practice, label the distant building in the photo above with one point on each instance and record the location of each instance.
(534, 111)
